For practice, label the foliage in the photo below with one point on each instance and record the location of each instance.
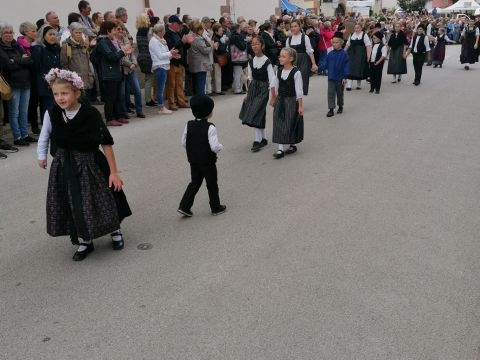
(411, 5)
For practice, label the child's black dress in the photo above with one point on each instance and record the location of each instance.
(79, 201)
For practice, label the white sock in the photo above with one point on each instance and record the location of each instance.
(117, 235)
(83, 245)
(399, 77)
(258, 134)
(359, 83)
(264, 134)
(280, 147)
(349, 83)
(394, 77)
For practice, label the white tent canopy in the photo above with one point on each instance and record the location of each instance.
(460, 6)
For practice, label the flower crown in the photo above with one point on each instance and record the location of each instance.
(70, 76)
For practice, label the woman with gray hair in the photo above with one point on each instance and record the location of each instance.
(45, 56)
(161, 63)
(15, 65)
(74, 56)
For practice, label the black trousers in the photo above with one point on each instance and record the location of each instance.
(376, 76)
(33, 108)
(418, 60)
(200, 172)
(113, 90)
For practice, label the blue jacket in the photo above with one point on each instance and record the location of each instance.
(337, 65)
(109, 59)
(45, 58)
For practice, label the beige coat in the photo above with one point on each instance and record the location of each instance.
(76, 57)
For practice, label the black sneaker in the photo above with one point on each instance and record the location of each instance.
(219, 211)
(340, 110)
(21, 142)
(256, 146)
(330, 113)
(7, 147)
(30, 139)
(186, 213)
(151, 103)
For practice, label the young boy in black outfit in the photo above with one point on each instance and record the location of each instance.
(201, 141)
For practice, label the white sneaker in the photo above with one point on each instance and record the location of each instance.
(165, 111)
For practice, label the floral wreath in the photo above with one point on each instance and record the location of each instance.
(70, 76)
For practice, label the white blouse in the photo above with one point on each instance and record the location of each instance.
(355, 36)
(298, 82)
(258, 63)
(297, 40)
(44, 138)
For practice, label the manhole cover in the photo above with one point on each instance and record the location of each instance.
(144, 246)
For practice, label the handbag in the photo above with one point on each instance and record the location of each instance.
(221, 59)
(238, 56)
(5, 89)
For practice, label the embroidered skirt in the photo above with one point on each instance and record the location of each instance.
(254, 108)
(79, 201)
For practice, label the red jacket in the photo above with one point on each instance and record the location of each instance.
(325, 39)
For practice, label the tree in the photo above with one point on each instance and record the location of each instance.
(411, 5)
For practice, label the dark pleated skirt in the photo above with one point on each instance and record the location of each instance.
(79, 201)
(397, 65)
(468, 54)
(285, 121)
(439, 53)
(358, 63)
(304, 65)
(254, 109)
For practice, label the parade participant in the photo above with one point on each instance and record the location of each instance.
(359, 48)
(304, 52)
(469, 39)
(377, 59)
(420, 48)
(201, 142)
(337, 64)
(262, 82)
(439, 51)
(397, 44)
(84, 198)
(288, 105)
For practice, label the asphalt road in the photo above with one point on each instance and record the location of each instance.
(362, 245)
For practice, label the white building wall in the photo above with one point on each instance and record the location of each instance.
(23, 10)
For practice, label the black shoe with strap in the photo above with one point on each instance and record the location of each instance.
(256, 146)
(292, 149)
(330, 113)
(117, 244)
(81, 255)
(279, 154)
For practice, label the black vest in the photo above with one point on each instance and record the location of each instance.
(421, 49)
(286, 88)
(84, 133)
(198, 147)
(378, 55)
(300, 48)
(260, 74)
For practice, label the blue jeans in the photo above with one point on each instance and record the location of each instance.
(322, 61)
(199, 82)
(18, 113)
(161, 77)
(131, 83)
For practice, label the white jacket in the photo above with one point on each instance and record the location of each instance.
(160, 54)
